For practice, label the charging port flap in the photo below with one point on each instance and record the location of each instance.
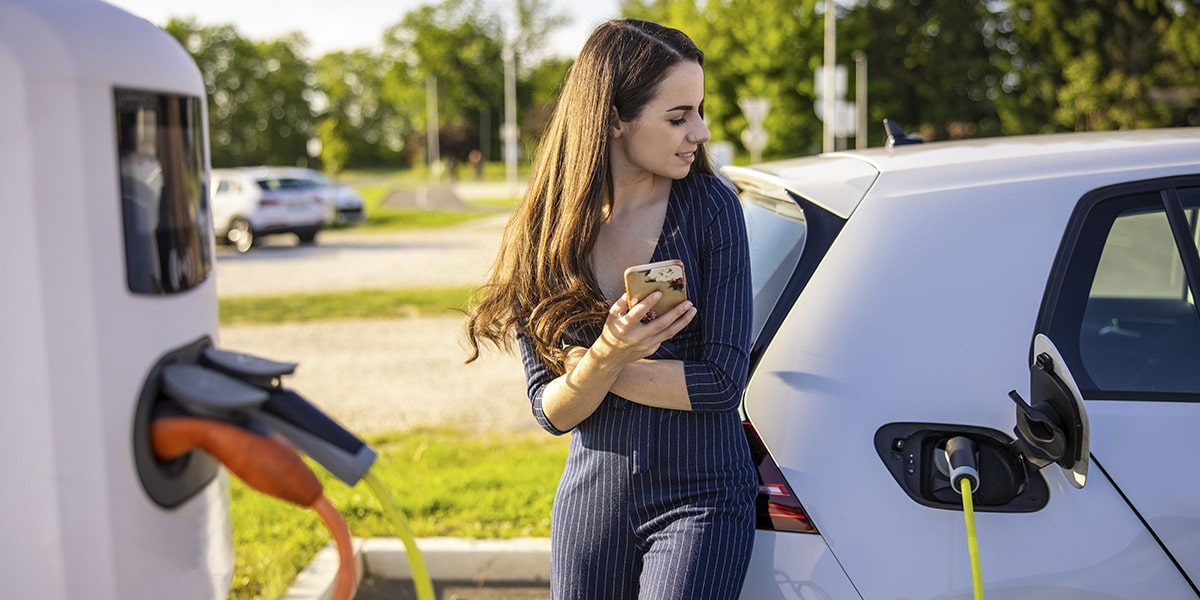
(915, 454)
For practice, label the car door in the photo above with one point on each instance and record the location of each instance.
(1121, 310)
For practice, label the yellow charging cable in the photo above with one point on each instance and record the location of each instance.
(420, 573)
(972, 539)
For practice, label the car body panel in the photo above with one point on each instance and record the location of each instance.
(1127, 439)
(776, 574)
(343, 203)
(834, 182)
(923, 309)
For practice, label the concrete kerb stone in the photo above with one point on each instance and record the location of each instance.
(521, 560)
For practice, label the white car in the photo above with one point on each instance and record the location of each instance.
(251, 202)
(1034, 297)
(343, 203)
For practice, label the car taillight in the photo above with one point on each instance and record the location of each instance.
(266, 200)
(778, 508)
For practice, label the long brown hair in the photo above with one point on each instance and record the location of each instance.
(542, 280)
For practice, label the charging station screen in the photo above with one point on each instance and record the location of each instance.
(164, 197)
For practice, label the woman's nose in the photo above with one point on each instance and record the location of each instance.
(700, 134)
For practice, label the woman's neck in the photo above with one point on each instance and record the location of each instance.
(633, 194)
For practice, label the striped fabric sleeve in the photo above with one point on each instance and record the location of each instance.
(537, 376)
(716, 381)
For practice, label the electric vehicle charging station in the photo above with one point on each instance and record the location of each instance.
(106, 260)
(119, 403)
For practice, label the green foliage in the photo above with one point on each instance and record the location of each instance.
(456, 46)
(360, 124)
(943, 68)
(930, 65)
(1091, 65)
(257, 94)
(351, 304)
(447, 482)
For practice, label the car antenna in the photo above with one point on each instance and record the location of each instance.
(896, 135)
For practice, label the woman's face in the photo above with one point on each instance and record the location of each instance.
(664, 138)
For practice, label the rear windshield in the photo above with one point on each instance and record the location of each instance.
(285, 183)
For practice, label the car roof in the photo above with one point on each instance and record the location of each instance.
(838, 181)
(260, 172)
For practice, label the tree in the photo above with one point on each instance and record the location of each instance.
(283, 86)
(1091, 64)
(536, 22)
(359, 124)
(539, 95)
(458, 43)
(930, 65)
(257, 94)
(762, 48)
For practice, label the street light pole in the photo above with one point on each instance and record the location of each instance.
(860, 99)
(433, 150)
(830, 102)
(510, 117)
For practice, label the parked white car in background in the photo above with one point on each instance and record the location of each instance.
(251, 202)
(902, 293)
(343, 203)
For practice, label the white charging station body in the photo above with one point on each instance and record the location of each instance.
(103, 134)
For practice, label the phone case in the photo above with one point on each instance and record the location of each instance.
(665, 276)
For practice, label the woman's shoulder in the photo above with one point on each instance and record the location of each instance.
(708, 193)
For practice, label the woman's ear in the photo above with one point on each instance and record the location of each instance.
(614, 124)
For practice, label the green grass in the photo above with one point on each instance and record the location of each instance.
(374, 185)
(447, 482)
(502, 203)
(390, 219)
(382, 218)
(353, 304)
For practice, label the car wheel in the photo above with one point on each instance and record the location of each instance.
(240, 236)
(307, 237)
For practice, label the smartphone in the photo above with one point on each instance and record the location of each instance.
(664, 276)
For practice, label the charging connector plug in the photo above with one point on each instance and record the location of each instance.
(960, 454)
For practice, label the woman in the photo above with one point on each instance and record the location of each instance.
(657, 498)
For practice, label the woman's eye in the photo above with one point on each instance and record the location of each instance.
(678, 122)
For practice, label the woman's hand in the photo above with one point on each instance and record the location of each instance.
(629, 335)
(590, 373)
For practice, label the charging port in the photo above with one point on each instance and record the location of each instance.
(916, 455)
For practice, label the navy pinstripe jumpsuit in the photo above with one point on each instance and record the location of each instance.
(658, 503)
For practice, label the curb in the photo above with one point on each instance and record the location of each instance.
(521, 560)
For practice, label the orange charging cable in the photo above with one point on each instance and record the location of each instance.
(266, 464)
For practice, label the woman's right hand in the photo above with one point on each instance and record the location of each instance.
(629, 335)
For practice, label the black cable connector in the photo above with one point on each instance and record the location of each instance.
(960, 453)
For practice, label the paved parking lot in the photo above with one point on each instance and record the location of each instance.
(381, 375)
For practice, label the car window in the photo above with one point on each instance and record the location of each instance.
(789, 236)
(777, 232)
(1139, 331)
(285, 183)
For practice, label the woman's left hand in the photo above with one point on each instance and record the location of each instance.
(628, 336)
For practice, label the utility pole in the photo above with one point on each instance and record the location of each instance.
(433, 150)
(829, 110)
(860, 99)
(509, 130)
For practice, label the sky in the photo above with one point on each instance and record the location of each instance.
(344, 24)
